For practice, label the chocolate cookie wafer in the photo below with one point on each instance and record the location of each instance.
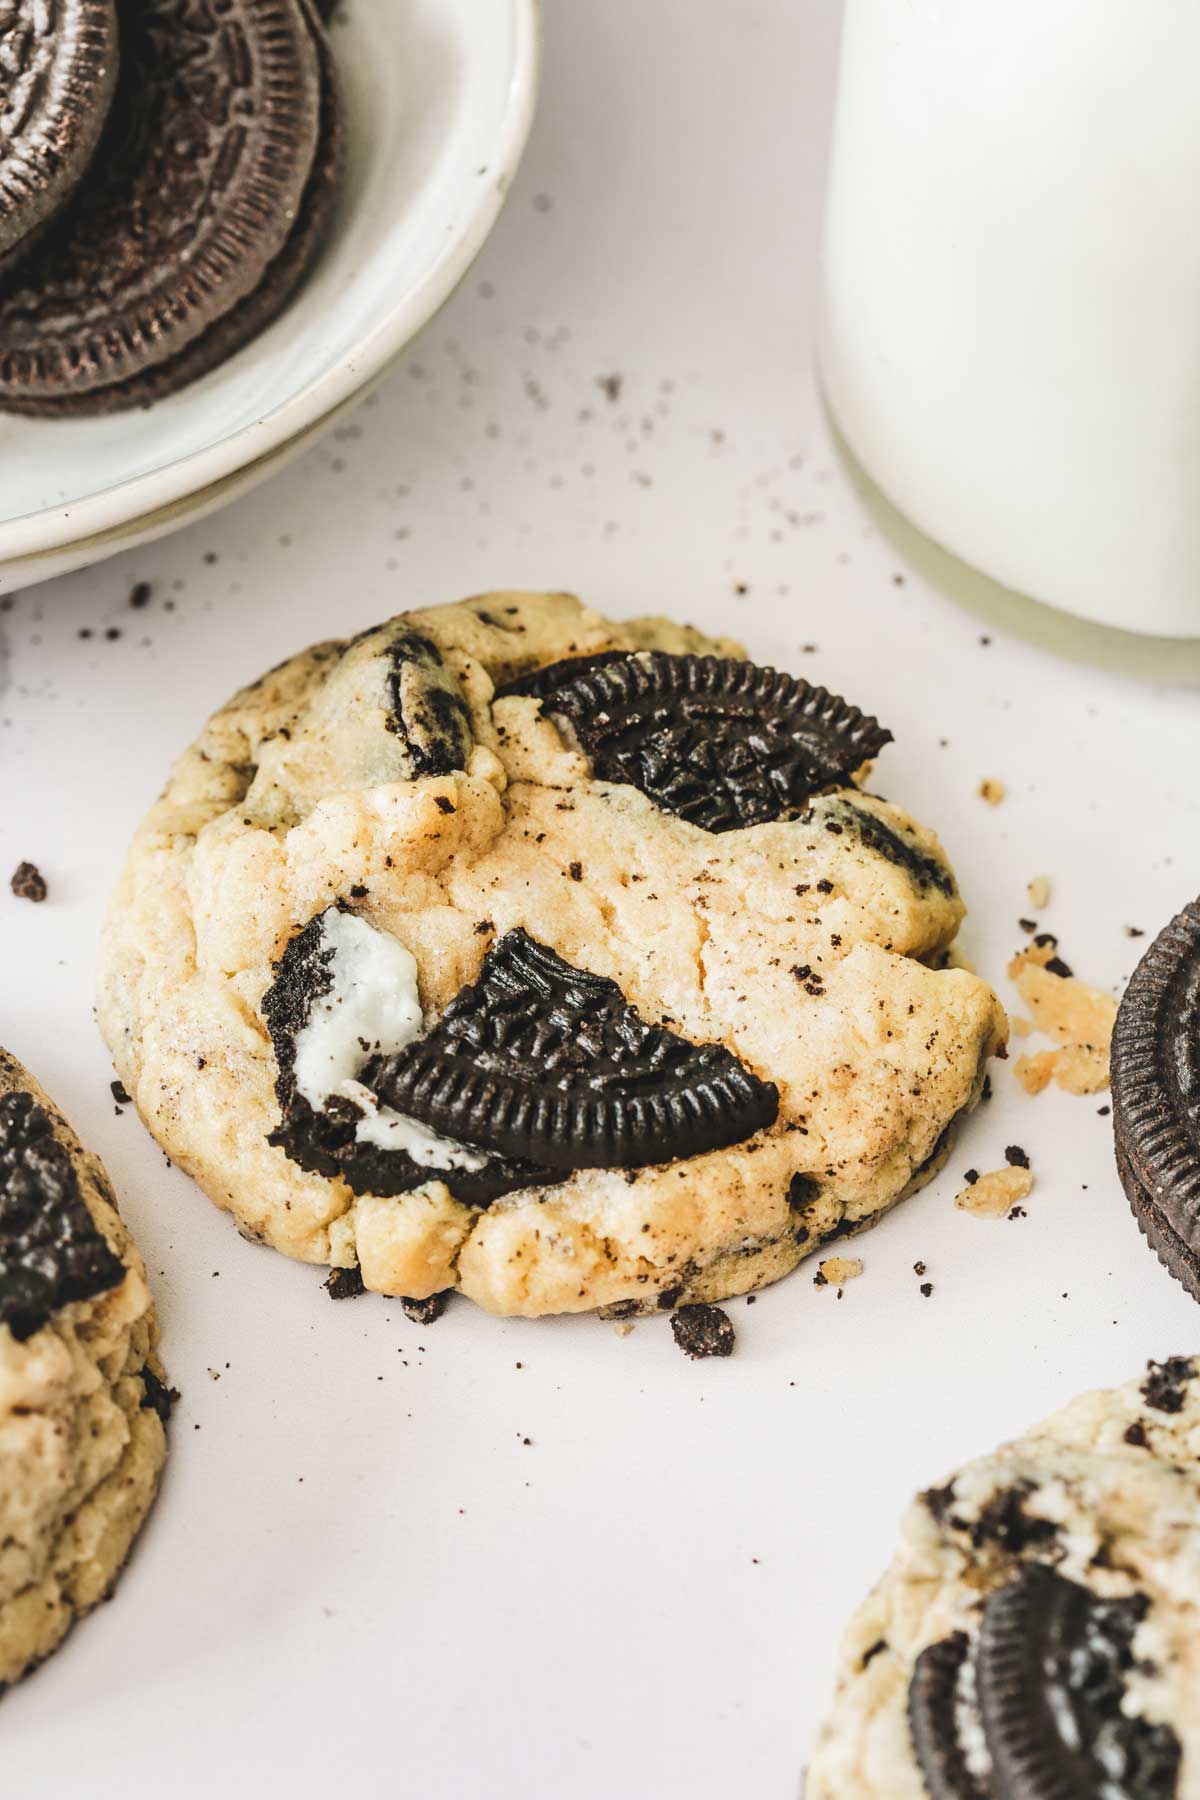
(235, 329)
(58, 71)
(1156, 1096)
(196, 188)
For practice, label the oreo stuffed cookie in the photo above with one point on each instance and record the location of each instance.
(1035, 1636)
(564, 962)
(82, 1394)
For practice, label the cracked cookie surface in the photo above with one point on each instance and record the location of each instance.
(385, 781)
(1036, 1632)
(82, 1394)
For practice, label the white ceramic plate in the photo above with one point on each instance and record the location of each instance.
(440, 96)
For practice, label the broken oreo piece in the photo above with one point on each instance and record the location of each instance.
(427, 709)
(540, 1060)
(703, 1331)
(1035, 1709)
(1155, 1071)
(50, 1249)
(429, 1310)
(723, 744)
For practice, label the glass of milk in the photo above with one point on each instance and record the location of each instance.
(1010, 330)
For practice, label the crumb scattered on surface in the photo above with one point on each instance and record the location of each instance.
(344, 1284)
(992, 1195)
(1078, 1016)
(622, 1327)
(427, 1311)
(835, 1271)
(28, 882)
(702, 1331)
(992, 791)
(119, 1094)
(1039, 892)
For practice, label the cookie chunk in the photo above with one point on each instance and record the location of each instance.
(1035, 1634)
(82, 1394)
(434, 961)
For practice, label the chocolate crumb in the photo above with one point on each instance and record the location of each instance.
(444, 804)
(344, 1284)
(1056, 966)
(575, 871)
(702, 1331)
(157, 1396)
(1136, 1434)
(117, 1090)
(140, 595)
(358, 891)
(610, 386)
(1029, 926)
(1165, 1386)
(429, 1310)
(28, 882)
(1016, 1156)
(927, 1288)
(918, 1268)
(971, 1176)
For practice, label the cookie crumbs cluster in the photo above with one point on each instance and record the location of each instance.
(1061, 1006)
(28, 882)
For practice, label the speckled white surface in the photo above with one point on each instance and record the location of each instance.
(359, 1572)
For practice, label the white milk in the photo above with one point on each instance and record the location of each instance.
(1010, 337)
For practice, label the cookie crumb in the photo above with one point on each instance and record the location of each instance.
(140, 595)
(427, 1311)
(926, 1289)
(1039, 893)
(344, 1284)
(623, 1328)
(1018, 1158)
(118, 1091)
(992, 791)
(28, 882)
(837, 1270)
(702, 1331)
(1078, 1016)
(991, 1196)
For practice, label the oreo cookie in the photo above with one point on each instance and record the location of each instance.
(546, 1062)
(1035, 1708)
(58, 73)
(50, 1249)
(1155, 1073)
(209, 165)
(721, 743)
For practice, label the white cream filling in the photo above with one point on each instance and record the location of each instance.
(372, 1007)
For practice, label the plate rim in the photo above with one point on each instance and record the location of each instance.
(42, 533)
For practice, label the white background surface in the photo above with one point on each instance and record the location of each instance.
(359, 1577)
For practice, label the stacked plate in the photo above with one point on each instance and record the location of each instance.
(439, 99)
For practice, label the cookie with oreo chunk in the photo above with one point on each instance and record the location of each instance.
(425, 965)
(83, 1397)
(1034, 1634)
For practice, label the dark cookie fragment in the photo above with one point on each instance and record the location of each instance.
(932, 1722)
(429, 1310)
(344, 1284)
(427, 710)
(924, 871)
(1044, 1688)
(702, 1331)
(28, 882)
(157, 1395)
(1166, 1383)
(50, 1249)
(543, 1061)
(1156, 1095)
(721, 743)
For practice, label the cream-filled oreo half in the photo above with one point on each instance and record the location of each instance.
(422, 965)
